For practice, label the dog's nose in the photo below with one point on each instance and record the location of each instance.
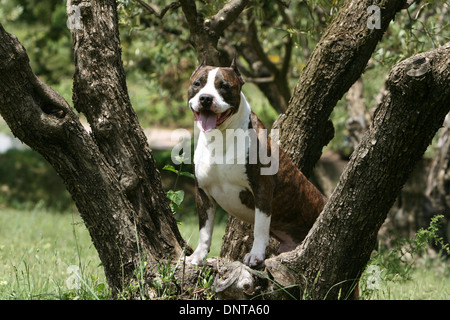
(206, 100)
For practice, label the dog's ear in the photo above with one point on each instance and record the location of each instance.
(236, 70)
(203, 63)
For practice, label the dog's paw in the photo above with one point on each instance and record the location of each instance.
(253, 259)
(195, 259)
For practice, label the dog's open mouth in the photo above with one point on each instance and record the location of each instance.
(208, 120)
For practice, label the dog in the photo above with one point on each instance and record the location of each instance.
(279, 201)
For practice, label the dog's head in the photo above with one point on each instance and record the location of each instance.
(214, 94)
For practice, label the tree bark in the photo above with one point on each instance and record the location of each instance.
(110, 173)
(205, 33)
(335, 64)
(330, 260)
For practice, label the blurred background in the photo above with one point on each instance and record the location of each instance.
(158, 60)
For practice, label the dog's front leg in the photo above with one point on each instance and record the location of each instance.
(206, 209)
(263, 194)
(261, 234)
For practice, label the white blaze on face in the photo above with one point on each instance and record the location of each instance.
(209, 119)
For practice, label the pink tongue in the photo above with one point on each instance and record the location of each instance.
(207, 120)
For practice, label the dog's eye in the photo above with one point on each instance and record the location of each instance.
(224, 85)
(196, 83)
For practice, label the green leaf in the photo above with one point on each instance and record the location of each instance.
(169, 167)
(176, 197)
(187, 174)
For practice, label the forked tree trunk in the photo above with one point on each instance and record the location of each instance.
(110, 172)
(113, 180)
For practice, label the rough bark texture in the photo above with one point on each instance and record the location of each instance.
(205, 33)
(338, 246)
(110, 172)
(335, 64)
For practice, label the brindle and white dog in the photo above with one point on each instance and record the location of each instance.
(282, 203)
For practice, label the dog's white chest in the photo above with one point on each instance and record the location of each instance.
(221, 172)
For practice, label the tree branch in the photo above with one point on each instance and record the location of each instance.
(41, 112)
(205, 33)
(335, 64)
(256, 45)
(230, 11)
(153, 9)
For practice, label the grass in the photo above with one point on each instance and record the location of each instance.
(37, 248)
(41, 250)
(430, 280)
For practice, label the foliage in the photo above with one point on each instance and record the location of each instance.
(399, 262)
(26, 179)
(176, 197)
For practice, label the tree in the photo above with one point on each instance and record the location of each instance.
(111, 174)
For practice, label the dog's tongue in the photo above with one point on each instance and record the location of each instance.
(207, 120)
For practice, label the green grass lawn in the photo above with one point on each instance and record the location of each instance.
(38, 250)
(429, 281)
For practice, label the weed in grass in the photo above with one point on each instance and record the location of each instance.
(390, 271)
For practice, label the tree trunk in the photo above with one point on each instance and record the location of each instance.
(110, 173)
(205, 33)
(330, 260)
(335, 64)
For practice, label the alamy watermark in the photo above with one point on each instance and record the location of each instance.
(374, 21)
(74, 17)
(373, 281)
(232, 146)
(73, 281)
